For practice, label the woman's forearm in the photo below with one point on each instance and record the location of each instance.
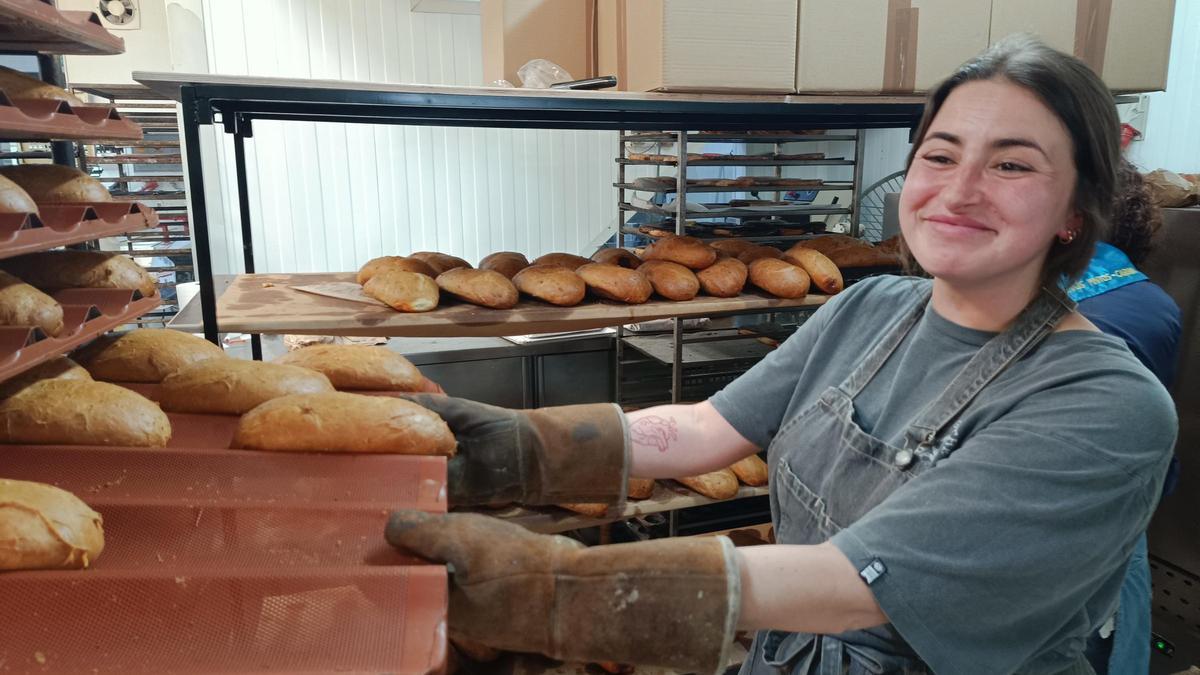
(672, 441)
(807, 589)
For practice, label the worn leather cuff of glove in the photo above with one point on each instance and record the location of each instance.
(671, 604)
(576, 453)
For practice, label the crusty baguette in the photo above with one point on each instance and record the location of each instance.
(818, 266)
(17, 85)
(621, 257)
(507, 263)
(589, 510)
(56, 270)
(358, 367)
(779, 278)
(235, 386)
(24, 305)
(687, 251)
(44, 527)
(403, 291)
(440, 262)
(393, 262)
(341, 422)
(56, 184)
(641, 488)
(670, 280)
(616, 283)
(14, 198)
(485, 288)
(567, 260)
(79, 412)
(721, 484)
(732, 247)
(144, 354)
(751, 470)
(59, 368)
(723, 279)
(755, 252)
(554, 284)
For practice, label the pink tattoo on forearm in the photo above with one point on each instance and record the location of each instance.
(655, 431)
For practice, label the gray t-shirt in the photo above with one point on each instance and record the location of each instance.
(1006, 555)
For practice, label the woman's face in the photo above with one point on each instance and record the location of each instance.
(990, 187)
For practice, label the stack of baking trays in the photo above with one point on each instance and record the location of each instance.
(213, 559)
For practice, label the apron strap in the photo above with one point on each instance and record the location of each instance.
(1032, 326)
(882, 351)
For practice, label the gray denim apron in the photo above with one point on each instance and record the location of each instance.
(826, 473)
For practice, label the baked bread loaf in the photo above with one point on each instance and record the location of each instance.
(17, 85)
(732, 247)
(58, 368)
(358, 367)
(820, 269)
(144, 354)
(13, 199)
(56, 270)
(589, 510)
(43, 527)
(567, 260)
(507, 263)
(687, 251)
(724, 278)
(827, 243)
(641, 488)
(617, 256)
(779, 278)
(56, 184)
(80, 412)
(751, 470)
(863, 256)
(616, 283)
(479, 287)
(671, 280)
(755, 252)
(393, 262)
(555, 284)
(721, 484)
(440, 262)
(24, 305)
(403, 291)
(341, 422)
(235, 386)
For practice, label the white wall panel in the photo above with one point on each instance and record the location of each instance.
(1172, 139)
(326, 197)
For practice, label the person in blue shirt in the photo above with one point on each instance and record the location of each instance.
(1123, 302)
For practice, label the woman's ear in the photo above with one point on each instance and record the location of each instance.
(1072, 227)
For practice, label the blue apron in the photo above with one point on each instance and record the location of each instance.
(1108, 270)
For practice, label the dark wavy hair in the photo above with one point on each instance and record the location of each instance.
(1081, 101)
(1135, 217)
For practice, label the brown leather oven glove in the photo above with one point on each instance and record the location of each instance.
(574, 453)
(671, 603)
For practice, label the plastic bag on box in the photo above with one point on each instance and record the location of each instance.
(1169, 189)
(540, 74)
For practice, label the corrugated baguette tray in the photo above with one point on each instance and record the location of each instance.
(87, 313)
(37, 25)
(36, 118)
(230, 561)
(63, 224)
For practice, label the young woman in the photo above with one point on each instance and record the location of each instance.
(960, 466)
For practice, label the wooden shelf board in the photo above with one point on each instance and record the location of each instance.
(265, 303)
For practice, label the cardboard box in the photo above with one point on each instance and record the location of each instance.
(698, 45)
(1128, 42)
(515, 32)
(887, 46)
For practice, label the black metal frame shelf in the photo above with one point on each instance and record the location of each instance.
(738, 189)
(747, 212)
(237, 102)
(738, 138)
(741, 162)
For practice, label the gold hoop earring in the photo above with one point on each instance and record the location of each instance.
(1071, 234)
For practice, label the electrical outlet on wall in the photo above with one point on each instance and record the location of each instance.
(1134, 113)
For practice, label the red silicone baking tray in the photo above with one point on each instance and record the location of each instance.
(63, 224)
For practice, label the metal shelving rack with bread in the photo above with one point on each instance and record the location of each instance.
(148, 171)
(33, 110)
